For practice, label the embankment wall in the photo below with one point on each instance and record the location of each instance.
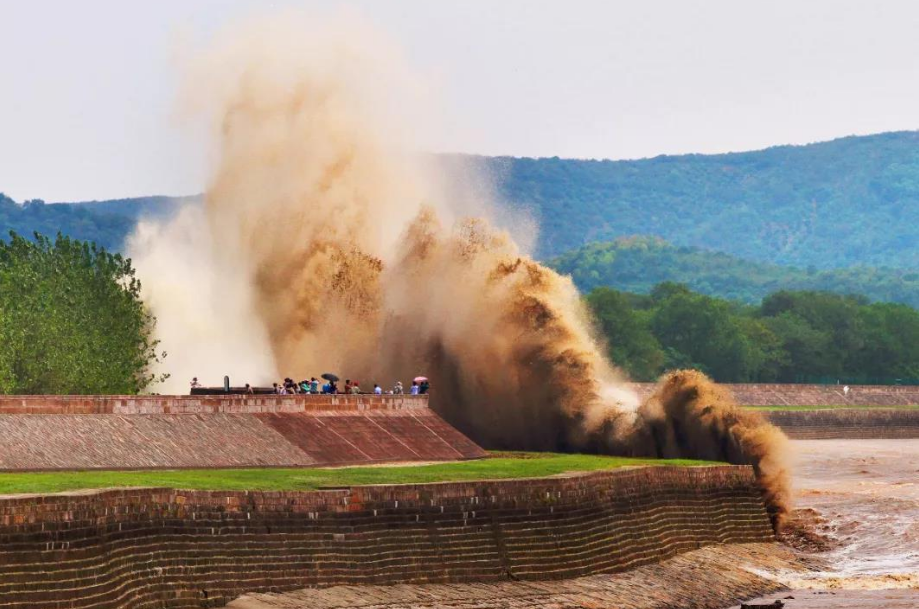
(125, 432)
(886, 419)
(205, 404)
(847, 423)
(790, 394)
(180, 549)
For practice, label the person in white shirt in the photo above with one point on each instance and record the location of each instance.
(415, 389)
(377, 390)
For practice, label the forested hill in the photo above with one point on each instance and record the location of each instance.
(107, 223)
(851, 201)
(637, 264)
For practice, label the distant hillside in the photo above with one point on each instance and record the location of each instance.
(106, 230)
(637, 264)
(107, 223)
(849, 202)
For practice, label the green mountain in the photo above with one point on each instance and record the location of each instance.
(851, 201)
(108, 230)
(637, 264)
(848, 202)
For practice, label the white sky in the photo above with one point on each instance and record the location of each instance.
(86, 88)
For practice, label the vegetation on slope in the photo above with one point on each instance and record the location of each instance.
(847, 202)
(71, 320)
(850, 201)
(789, 337)
(107, 230)
(502, 465)
(637, 264)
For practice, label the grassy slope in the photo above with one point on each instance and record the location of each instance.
(501, 465)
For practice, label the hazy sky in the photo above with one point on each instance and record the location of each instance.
(86, 101)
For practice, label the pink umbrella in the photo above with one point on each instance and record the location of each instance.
(420, 379)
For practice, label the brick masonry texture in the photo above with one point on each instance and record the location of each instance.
(844, 423)
(838, 423)
(205, 404)
(140, 548)
(711, 578)
(78, 432)
(748, 394)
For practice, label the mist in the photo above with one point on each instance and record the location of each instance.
(327, 242)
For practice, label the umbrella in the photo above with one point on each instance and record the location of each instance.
(420, 379)
(330, 377)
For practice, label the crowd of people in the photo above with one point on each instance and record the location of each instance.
(351, 387)
(419, 386)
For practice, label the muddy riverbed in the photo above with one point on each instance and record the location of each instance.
(860, 498)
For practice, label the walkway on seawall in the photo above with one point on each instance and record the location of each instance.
(164, 548)
(150, 432)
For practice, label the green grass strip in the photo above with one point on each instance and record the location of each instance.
(500, 465)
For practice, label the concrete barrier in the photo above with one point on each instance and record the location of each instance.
(139, 548)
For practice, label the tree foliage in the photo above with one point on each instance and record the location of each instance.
(637, 264)
(71, 320)
(850, 201)
(792, 336)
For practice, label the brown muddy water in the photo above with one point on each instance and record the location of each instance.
(863, 498)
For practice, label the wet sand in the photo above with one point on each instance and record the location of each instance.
(862, 498)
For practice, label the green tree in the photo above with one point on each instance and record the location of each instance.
(631, 344)
(71, 320)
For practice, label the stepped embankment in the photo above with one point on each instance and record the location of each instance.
(165, 548)
(815, 412)
(156, 432)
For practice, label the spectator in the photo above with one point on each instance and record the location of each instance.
(424, 387)
(304, 386)
(314, 385)
(377, 390)
(275, 388)
(194, 383)
(397, 389)
(347, 386)
(414, 389)
(355, 387)
(249, 389)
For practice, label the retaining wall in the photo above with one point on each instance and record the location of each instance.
(775, 394)
(125, 432)
(204, 404)
(847, 423)
(180, 549)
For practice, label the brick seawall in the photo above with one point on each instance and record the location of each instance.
(181, 549)
(149, 432)
(204, 404)
(790, 394)
(847, 423)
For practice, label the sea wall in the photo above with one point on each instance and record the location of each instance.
(164, 548)
(847, 423)
(790, 394)
(204, 404)
(76, 432)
